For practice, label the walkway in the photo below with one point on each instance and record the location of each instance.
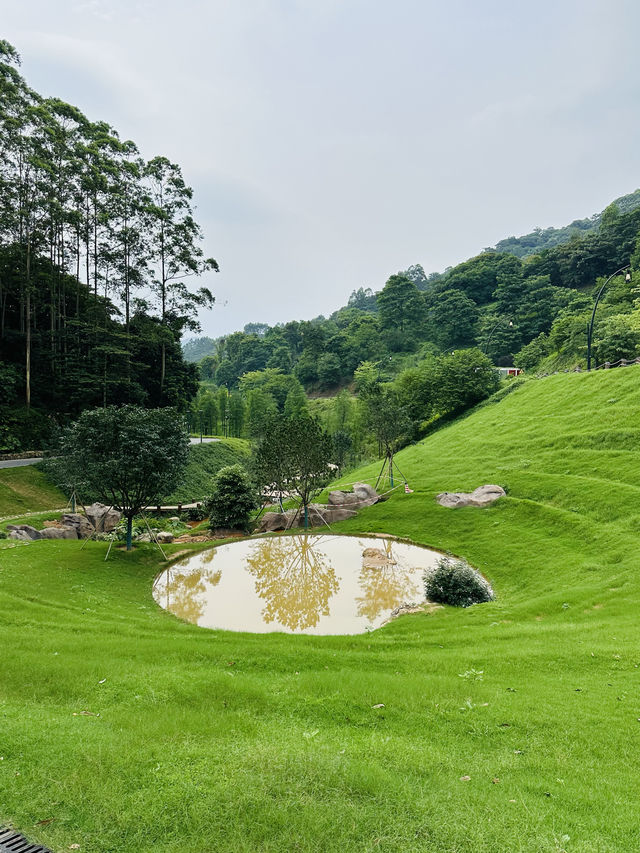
(19, 463)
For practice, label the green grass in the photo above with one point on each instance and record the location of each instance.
(215, 741)
(27, 489)
(205, 460)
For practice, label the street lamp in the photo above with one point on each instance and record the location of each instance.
(627, 277)
(486, 343)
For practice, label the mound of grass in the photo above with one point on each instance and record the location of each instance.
(506, 727)
(27, 489)
(205, 460)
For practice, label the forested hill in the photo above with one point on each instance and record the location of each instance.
(95, 247)
(547, 238)
(528, 311)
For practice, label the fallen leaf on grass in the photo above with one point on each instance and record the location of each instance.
(74, 847)
(495, 780)
(102, 681)
(379, 705)
(45, 822)
(465, 778)
(85, 714)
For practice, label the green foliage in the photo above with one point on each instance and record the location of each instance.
(464, 378)
(454, 582)
(232, 500)
(616, 338)
(402, 312)
(127, 456)
(293, 456)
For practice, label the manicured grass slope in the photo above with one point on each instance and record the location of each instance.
(205, 460)
(214, 741)
(27, 489)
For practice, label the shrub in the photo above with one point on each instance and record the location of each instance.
(233, 498)
(456, 582)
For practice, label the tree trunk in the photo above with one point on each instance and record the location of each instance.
(129, 532)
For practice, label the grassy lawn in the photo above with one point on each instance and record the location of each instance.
(511, 726)
(27, 489)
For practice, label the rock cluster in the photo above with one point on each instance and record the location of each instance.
(342, 505)
(482, 496)
(99, 519)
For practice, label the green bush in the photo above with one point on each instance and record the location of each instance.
(233, 498)
(455, 582)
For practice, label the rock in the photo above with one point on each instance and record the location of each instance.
(376, 558)
(81, 523)
(164, 537)
(25, 530)
(173, 518)
(274, 521)
(362, 495)
(482, 496)
(103, 518)
(59, 533)
(144, 537)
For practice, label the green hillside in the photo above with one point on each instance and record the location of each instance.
(511, 726)
(27, 489)
(205, 460)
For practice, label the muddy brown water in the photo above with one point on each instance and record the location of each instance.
(302, 584)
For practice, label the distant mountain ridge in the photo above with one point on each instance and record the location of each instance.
(546, 238)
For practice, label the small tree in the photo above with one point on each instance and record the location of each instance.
(127, 456)
(387, 420)
(293, 457)
(232, 500)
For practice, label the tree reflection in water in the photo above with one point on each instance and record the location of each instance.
(185, 593)
(386, 585)
(294, 579)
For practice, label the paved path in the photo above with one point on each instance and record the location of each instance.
(19, 463)
(204, 440)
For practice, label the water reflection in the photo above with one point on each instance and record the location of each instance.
(385, 582)
(184, 593)
(294, 578)
(317, 584)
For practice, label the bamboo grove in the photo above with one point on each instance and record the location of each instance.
(98, 248)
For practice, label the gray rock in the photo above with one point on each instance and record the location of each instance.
(103, 518)
(164, 537)
(81, 523)
(362, 495)
(59, 533)
(481, 497)
(174, 518)
(25, 531)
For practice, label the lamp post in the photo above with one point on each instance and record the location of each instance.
(486, 343)
(593, 313)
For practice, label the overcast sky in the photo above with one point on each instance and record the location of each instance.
(331, 143)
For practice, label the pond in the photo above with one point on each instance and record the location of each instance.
(307, 583)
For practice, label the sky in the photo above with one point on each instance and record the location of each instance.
(332, 143)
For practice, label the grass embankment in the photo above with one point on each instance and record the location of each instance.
(205, 460)
(27, 489)
(511, 726)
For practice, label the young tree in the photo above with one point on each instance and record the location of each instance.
(127, 456)
(294, 456)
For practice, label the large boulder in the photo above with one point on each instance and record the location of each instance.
(59, 533)
(103, 518)
(482, 496)
(362, 495)
(81, 523)
(23, 532)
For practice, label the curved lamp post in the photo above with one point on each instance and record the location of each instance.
(593, 313)
(486, 343)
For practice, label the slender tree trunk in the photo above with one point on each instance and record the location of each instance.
(28, 329)
(129, 532)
